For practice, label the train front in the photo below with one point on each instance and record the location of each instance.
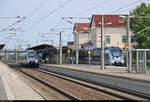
(32, 59)
(117, 56)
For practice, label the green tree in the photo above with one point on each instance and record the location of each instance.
(137, 24)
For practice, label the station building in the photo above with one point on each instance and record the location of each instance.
(83, 30)
(114, 31)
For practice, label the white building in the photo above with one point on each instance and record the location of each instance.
(115, 31)
(83, 29)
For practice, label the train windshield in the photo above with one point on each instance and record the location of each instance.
(31, 54)
(116, 52)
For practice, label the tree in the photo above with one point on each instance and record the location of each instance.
(137, 24)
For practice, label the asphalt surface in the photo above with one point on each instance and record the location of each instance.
(2, 91)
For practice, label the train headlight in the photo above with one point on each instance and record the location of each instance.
(115, 58)
(36, 61)
(119, 58)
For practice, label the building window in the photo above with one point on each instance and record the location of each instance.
(107, 39)
(121, 21)
(124, 39)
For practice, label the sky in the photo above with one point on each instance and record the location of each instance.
(41, 16)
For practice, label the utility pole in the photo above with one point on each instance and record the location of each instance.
(89, 47)
(52, 42)
(77, 48)
(17, 52)
(128, 60)
(102, 42)
(60, 50)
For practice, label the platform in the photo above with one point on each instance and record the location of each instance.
(14, 87)
(2, 91)
(113, 76)
(109, 70)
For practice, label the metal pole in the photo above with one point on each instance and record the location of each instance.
(60, 50)
(128, 32)
(130, 61)
(137, 63)
(89, 47)
(145, 61)
(102, 43)
(77, 48)
(16, 56)
(128, 57)
(128, 35)
(52, 42)
(127, 62)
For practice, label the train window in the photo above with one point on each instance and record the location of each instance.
(116, 52)
(31, 54)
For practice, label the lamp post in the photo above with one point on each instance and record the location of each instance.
(128, 44)
(102, 41)
(60, 49)
(77, 46)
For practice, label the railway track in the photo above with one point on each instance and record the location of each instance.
(76, 89)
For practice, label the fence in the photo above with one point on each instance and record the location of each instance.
(138, 61)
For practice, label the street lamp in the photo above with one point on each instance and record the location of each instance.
(102, 41)
(128, 42)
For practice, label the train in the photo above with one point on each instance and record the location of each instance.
(28, 58)
(113, 56)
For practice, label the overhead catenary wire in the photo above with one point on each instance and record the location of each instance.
(12, 11)
(4, 29)
(37, 9)
(11, 17)
(34, 11)
(98, 5)
(125, 6)
(50, 13)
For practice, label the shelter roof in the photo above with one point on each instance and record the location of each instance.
(2, 46)
(42, 46)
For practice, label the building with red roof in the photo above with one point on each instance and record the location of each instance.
(114, 30)
(83, 29)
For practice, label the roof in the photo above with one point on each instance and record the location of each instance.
(42, 46)
(2, 46)
(82, 27)
(115, 19)
(70, 43)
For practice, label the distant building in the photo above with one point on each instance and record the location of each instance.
(115, 32)
(83, 29)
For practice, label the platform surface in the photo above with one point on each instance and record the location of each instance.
(109, 70)
(14, 87)
(2, 91)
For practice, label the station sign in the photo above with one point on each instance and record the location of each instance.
(89, 52)
(68, 51)
(126, 45)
